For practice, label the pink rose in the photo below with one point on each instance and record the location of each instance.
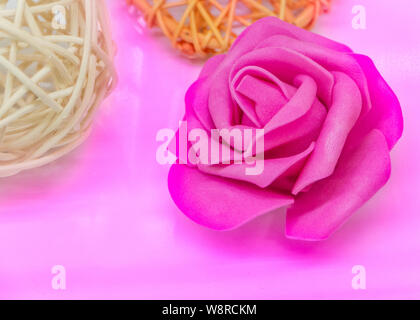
(329, 120)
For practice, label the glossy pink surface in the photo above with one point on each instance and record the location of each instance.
(105, 214)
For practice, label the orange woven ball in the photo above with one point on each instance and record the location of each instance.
(199, 28)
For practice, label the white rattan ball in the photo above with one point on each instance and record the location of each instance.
(56, 67)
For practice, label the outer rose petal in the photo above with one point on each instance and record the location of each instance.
(211, 65)
(270, 26)
(220, 203)
(386, 112)
(196, 102)
(330, 202)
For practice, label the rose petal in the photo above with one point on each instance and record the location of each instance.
(306, 128)
(194, 120)
(286, 65)
(386, 114)
(220, 203)
(220, 103)
(328, 58)
(273, 168)
(267, 97)
(267, 27)
(342, 116)
(330, 202)
(211, 65)
(303, 105)
(243, 93)
(297, 106)
(196, 102)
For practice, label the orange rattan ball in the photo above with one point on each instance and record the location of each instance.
(199, 28)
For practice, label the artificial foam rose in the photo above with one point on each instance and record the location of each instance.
(329, 120)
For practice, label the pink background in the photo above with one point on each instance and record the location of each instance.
(105, 214)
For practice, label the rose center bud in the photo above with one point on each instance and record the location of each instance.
(258, 97)
(264, 95)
